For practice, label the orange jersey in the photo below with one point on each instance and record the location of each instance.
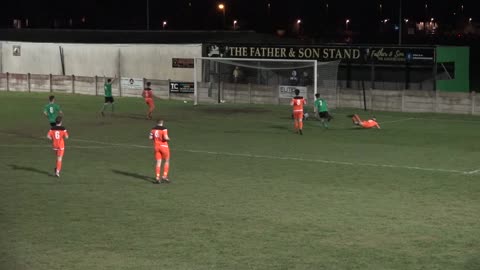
(147, 93)
(298, 103)
(159, 135)
(57, 134)
(369, 123)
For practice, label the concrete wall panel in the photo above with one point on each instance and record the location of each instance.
(91, 59)
(84, 85)
(129, 60)
(39, 83)
(155, 61)
(18, 82)
(3, 82)
(38, 58)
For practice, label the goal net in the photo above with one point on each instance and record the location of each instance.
(261, 81)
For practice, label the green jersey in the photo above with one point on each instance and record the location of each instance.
(108, 89)
(321, 105)
(52, 110)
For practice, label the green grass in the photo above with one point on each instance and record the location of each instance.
(247, 192)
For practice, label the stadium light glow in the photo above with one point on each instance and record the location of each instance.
(222, 8)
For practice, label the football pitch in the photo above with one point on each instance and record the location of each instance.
(246, 192)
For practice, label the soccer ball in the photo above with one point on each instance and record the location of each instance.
(305, 116)
(184, 101)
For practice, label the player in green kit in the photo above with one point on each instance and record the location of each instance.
(107, 87)
(52, 110)
(321, 108)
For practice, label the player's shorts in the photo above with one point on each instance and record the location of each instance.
(323, 114)
(162, 153)
(52, 124)
(109, 100)
(298, 115)
(150, 102)
(60, 152)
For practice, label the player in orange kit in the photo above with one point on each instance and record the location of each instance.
(57, 134)
(147, 94)
(159, 135)
(298, 102)
(370, 123)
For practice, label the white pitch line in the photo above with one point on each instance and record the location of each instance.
(396, 121)
(47, 146)
(448, 120)
(112, 144)
(325, 161)
(266, 157)
(432, 119)
(473, 172)
(291, 158)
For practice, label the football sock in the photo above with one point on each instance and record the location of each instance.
(300, 125)
(357, 118)
(59, 166)
(166, 167)
(157, 171)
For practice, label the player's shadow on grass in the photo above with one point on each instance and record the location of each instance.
(29, 169)
(134, 175)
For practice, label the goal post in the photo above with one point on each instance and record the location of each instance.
(259, 81)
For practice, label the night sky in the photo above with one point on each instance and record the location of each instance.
(251, 14)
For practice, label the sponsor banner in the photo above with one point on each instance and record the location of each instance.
(400, 55)
(288, 91)
(131, 83)
(182, 62)
(347, 54)
(182, 87)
